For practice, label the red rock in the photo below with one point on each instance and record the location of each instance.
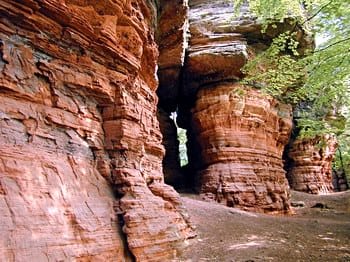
(242, 134)
(236, 134)
(311, 166)
(172, 40)
(78, 119)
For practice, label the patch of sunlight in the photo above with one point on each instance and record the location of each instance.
(242, 212)
(327, 238)
(253, 237)
(52, 211)
(247, 245)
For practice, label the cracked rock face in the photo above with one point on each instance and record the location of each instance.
(81, 154)
(310, 168)
(172, 41)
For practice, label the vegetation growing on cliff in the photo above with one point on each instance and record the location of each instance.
(316, 81)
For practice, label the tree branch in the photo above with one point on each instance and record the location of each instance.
(318, 11)
(333, 44)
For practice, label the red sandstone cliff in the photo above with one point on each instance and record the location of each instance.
(242, 134)
(311, 164)
(237, 134)
(80, 145)
(81, 175)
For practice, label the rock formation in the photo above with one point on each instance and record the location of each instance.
(81, 154)
(339, 181)
(311, 165)
(172, 41)
(236, 134)
(83, 126)
(242, 134)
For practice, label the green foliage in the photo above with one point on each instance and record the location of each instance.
(182, 137)
(277, 71)
(321, 77)
(272, 11)
(316, 82)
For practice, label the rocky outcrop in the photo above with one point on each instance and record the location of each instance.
(172, 41)
(237, 134)
(242, 134)
(339, 181)
(311, 164)
(78, 119)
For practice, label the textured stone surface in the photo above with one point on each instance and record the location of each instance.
(242, 134)
(217, 50)
(311, 166)
(172, 41)
(78, 119)
(339, 181)
(236, 135)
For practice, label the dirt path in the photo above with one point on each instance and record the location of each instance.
(312, 234)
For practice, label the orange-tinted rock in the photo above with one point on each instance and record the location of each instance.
(311, 166)
(172, 40)
(78, 118)
(216, 50)
(242, 134)
(237, 134)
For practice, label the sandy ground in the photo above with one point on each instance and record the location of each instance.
(312, 234)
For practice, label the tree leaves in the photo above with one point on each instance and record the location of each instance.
(318, 77)
(316, 82)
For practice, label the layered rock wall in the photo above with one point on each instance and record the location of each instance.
(172, 38)
(81, 154)
(242, 134)
(311, 164)
(239, 133)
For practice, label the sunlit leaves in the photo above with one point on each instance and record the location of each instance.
(321, 77)
(318, 82)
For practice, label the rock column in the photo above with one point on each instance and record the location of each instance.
(311, 165)
(241, 132)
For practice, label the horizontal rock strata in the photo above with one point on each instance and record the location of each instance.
(172, 41)
(242, 134)
(311, 165)
(78, 119)
(239, 132)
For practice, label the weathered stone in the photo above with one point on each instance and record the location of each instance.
(216, 50)
(242, 134)
(339, 180)
(78, 118)
(236, 135)
(172, 40)
(311, 164)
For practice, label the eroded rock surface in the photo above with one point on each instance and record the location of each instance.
(78, 118)
(220, 44)
(237, 135)
(311, 166)
(242, 134)
(172, 41)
